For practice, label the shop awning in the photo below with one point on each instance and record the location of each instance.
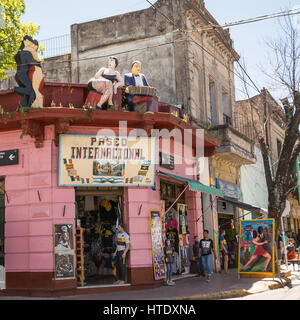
(243, 205)
(195, 185)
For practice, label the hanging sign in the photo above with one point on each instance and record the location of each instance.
(256, 248)
(103, 161)
(166, 161)
(157, 246)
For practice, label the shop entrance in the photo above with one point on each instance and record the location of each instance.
(175, 224)
(2, 230)
(97, 213)
(226, 220)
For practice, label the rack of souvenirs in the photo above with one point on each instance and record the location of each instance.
(176, 229)
(98, 217)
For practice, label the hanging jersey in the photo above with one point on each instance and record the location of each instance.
(122, 239)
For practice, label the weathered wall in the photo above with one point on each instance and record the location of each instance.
(157, 62)
(174, 64)
(142, 35)
(253, 184)
(211, 64)
(58, 69)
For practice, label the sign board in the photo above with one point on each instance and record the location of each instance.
(103, 161)
(64, 252)
(256, 247)
(225, 207)
(166, 161)
(9, 157)
(229, 189)
(158, 256)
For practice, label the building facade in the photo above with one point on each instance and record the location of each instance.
(250, 117)
(37, 203)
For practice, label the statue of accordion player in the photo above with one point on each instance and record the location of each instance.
(138, 92)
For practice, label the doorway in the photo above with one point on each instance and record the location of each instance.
(226, 222)
(97, 214)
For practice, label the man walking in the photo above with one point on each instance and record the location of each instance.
(120, 254)
(206, 250)
(197, 257)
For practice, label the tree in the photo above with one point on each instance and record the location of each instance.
(285, 74)
(12, 32)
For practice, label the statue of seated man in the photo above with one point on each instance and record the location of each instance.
(134, 83)
(29, 76)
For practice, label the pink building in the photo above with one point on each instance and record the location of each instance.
(35, 203)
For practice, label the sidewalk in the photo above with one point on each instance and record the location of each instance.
(221, 286)
(196, 288)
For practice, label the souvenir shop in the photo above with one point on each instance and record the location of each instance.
(97, 213)
(175, 224)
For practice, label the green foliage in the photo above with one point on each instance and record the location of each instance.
(12, 32)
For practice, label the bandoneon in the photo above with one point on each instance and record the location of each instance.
(142, 91)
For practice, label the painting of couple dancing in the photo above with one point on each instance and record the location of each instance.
(256, 247)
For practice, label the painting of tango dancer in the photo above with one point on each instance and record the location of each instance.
(256, 246)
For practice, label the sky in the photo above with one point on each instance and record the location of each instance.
(56, 18)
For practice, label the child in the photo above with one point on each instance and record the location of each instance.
(169, 257)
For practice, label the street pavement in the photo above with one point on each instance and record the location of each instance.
(195, 288)
(279, 294)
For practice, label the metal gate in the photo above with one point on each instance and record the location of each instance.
(2, 222)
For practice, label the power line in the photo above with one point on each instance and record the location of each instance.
(265, 17)
(250, 20)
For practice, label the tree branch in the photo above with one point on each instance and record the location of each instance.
(265, 155)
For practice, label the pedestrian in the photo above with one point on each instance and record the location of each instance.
(197, 257)
(123, 245)
(291, 240)
(169, 258)
(295, 239)
(285, 241)
(224, 250)
(206, 251)
(280, 248)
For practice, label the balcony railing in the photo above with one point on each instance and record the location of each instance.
(56, 46)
